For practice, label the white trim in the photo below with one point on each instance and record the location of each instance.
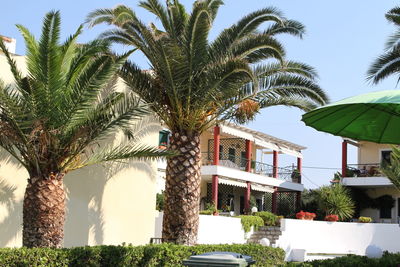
(367, 181)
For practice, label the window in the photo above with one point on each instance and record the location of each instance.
(221, 152)
(232, 154)
(243, 160)
(163, 139)
(385, 213)
(385, 156)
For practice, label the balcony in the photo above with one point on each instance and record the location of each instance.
(365, 175)
(288, 174)
(363, 170)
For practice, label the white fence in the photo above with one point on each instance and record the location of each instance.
(215, 230)
(317, 239)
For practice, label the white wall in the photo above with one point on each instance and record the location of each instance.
(214, 230)
(368, 239)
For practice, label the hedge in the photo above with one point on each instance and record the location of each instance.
(118, 256)
(387, 260)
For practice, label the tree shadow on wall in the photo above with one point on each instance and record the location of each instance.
(11, 206)
(85, 192)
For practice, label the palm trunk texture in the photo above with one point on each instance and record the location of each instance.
(44, 212)
(182, 190)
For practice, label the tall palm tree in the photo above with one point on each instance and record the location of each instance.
(194, 82)
(388, 63)
(53, 119)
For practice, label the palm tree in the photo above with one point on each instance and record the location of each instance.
(193, 83)
(53, 119)
(388, 63)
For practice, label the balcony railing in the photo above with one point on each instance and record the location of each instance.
(363, 170)
(240, 163)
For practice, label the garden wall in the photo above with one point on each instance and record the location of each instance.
(331, 239)
(215, 230)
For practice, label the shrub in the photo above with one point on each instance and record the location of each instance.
(160, 201)
(336, 199)
(387, 260)
(119, 256)
(269, 218)
(365, 219)
(248, 221)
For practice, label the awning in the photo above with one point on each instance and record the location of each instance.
(235, 132)
(256, 187)
(231, 182)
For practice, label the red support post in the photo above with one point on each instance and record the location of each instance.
(214, 195)
(299, 168)
(248, 156)
(247, 198)
(275, 164)
(275, 175)
(344, 158)
(248, 169)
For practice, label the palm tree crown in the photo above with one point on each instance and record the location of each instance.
(388, 63)
(52, 118)
(193, 81)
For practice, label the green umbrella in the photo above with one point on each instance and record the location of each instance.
(371, 117)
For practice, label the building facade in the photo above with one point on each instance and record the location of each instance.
(364, 177)
(236, 176)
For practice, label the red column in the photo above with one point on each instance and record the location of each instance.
(344, 158)
(275, 164)
(248, 169)
(275, 175)
(298, 197)
(216, 162)
(247, 197)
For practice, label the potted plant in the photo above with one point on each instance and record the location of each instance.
(331, 218)
(300, 215)
(365, 219)
(309, 216)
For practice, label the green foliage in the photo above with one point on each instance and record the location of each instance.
(54, 118)
(336, 199)
(387, 63)
(269, 218)
(145, 256)
(210, 209)
(333, 199)
(192, 80)
(387, 260)
(160, 201)
(363, 201)
(248, 221)
(392, 170)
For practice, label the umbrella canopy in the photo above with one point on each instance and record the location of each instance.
(371, 117)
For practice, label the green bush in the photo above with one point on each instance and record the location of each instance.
(119, 256)
(269, 218)
(248, 221)
(160, 201)
(387, 260)
(336, 199)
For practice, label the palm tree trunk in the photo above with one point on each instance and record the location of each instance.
(44, 212)
(182, 190)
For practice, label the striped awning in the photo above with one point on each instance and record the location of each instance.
(256, 187)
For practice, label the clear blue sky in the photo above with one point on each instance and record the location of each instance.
(342, 39)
